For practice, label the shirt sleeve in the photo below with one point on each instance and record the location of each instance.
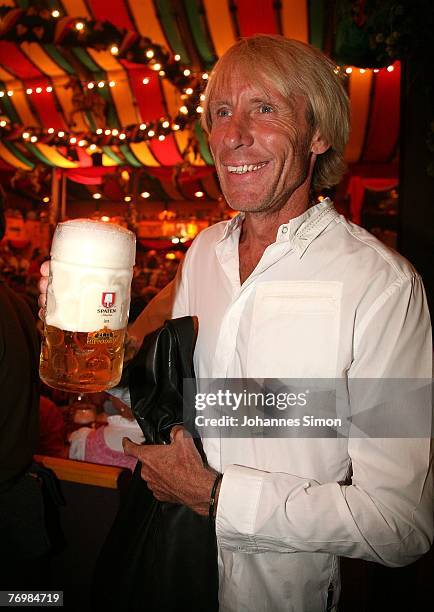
(386, 513)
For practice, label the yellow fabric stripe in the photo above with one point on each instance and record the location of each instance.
(143, 154)
(76, 8)
(121, 92)
(220, 25)
(11, 159)
(360, 91)
(39, 57)
(59, 79)
(19, 100)
(5, 75)
(173, 103)
(147, 21)
(294, 16)
(54, 156)
(108, 161)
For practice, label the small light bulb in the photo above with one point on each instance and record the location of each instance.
(10, 93)
(183, 110)
(61, 134)
(156, 67)
(127, 198)
(55, 13)
(114, 50)
(73, 140)
(2, 123)
(112, 83)
(390, 68)
(99, 131)
(189, 91)
(115, 132)
(46, 199)
(50, 130)
(199, 194)
(145, 194)
(202, 97)
(151, 133)
(175, 127)
(161, 137)
(199, 109)
(38, 89)
(187, 72)
(92, 147)
(79, 26)
(177, 57)
(205, 76)
(34, 139)
(82, 143)
(143, 126)
(96, 196)
(2, 93)
(162, 73)
(105, 218)
(107, 132)
(145, 81)
(165, 124)
(26, 135)
(149, 53)
(376, 70)
(122, 136)
(29, 91)
(90, 85)
(362, 71)
(49, 89)
(348, 70)
(101, 84)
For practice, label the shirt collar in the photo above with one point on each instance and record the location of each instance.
(301, 230)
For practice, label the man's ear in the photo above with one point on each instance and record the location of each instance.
(319, 144)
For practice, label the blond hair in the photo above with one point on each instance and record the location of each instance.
(293, 68)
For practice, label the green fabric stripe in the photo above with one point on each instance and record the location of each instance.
(199, 32)
(171, 29)
(316, 22)
(203, 143)
(15, 151)
(129, 156)
(86, 60)
(9, 108)
(39, 155)
(113, 155)
(56, 56)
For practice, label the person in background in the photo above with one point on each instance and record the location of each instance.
(51, 429)
(104, 444)
(24, 542)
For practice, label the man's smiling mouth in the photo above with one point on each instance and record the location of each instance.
(246, 168)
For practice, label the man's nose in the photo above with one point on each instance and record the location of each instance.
(238, 132)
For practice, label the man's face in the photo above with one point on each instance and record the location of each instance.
(260, 143)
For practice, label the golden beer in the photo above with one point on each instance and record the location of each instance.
(88, 301)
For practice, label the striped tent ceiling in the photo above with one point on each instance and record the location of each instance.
(199, 31)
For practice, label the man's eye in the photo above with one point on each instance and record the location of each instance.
(223, 112)
(265, 108)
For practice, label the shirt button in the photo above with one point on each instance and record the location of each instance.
(284, 229)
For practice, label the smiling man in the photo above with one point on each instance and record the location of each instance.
(290, 289)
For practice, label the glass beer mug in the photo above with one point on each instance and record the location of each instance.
(88, 300)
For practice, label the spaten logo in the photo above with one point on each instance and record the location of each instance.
(108, 299)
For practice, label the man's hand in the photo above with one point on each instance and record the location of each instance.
(175, 472)
(42, 285)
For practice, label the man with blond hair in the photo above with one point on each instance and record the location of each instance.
(290, 289)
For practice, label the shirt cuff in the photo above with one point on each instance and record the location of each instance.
(238, 501)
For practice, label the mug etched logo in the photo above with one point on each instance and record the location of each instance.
(108, 299)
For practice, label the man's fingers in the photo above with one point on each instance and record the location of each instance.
(45, 268)
(178, 432)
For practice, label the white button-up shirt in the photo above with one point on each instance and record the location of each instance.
(326, 300)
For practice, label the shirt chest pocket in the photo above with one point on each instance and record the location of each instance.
(295, 330)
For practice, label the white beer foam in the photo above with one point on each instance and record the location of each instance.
(83, 241)
(90, 259)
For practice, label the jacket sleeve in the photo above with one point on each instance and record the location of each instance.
(386, 513)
